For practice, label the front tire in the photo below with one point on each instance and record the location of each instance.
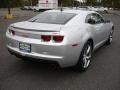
(85, 57)
(110, 39)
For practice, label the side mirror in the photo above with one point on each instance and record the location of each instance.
(91, 21)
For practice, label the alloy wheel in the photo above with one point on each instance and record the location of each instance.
(87, 56)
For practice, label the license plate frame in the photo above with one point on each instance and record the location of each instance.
(24, 47)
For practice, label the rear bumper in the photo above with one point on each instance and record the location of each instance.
(64, 55)
(33, 54)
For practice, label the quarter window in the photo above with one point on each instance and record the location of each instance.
(94, 19)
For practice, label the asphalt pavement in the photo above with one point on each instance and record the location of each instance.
(103, 74)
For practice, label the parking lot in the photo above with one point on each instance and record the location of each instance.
(17, 12)
(103, 74)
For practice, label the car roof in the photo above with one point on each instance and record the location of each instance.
(83, 12)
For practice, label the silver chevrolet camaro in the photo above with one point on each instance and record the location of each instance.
(67, 37)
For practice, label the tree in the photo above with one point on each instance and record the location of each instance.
(4, 3)
(91, 2)
(116, 3)
(19, 3)
(32, 2)
(68, 2)
(16, 3)
(109, 3)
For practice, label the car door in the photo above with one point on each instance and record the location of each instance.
(97, 22)
(105, 26)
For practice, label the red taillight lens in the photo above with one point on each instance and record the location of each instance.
(46, 38)
(12, 32)
(58, 38)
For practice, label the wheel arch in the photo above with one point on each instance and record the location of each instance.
(113, 27)
(78, 65)
(92, 42)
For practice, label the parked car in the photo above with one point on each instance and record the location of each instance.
(116, 8)
(36, 8)
(84, 7)
(27, 8)
(67, 37)
(100, 9)
(39, 9)
(111, 8)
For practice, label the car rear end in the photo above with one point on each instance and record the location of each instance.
(42, 41)
(41, 45)
(35, 44)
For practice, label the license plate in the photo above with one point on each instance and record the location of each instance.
(25, 47)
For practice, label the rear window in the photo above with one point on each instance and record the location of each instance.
(53, 17)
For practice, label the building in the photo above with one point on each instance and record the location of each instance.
(48, 3)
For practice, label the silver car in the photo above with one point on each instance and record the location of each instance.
(67, 37)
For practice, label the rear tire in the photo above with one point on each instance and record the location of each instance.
(85, 57)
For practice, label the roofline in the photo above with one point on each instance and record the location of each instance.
(73, 11)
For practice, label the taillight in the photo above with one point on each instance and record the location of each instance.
(12, 32)
(46, 38)
(58, 39)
